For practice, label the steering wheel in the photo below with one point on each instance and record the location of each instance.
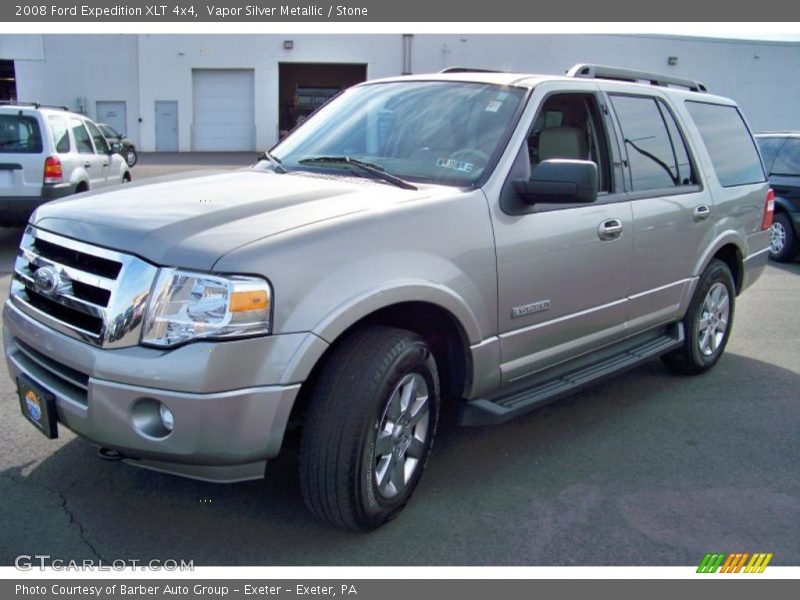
(477, 156)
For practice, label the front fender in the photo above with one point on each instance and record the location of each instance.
(396, 292)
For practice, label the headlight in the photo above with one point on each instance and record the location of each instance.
(187, 306)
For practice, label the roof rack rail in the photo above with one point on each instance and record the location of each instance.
(33, 104)
(467, 70)
(620, 74)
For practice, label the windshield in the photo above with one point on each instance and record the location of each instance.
(108, 131)
(434, 132)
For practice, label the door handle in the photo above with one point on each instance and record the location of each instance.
(701, 213)
(105, 164)
(610, 229)
(87, 164)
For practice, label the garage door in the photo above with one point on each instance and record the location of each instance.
(224, 115)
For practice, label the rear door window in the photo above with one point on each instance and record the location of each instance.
(656, 151)
(82, 139)
(19, 134)
(729, 143)
(788, 160)
(58, 128)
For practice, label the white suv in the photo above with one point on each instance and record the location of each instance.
(47, 153)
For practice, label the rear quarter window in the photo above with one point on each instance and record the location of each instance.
(58, 128)
(19, 134)
(729, 143)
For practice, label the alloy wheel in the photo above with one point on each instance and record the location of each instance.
(714, 316)
(402, 435)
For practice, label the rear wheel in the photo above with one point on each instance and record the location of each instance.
(131, 157)
(707, 323)
(783, 243)
(369, 429)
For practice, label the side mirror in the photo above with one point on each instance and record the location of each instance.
(116, 147)
(559, 180)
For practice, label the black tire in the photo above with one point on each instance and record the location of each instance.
(783, 248)
(690, 358)
(339, 448)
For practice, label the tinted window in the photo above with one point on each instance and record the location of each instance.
(657, 154)
(58, 127)
(728, 142)
(788, 160)
(82, 139)
(99, 141)
(769, 147)
(19, 135)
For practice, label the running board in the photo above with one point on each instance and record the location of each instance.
(566, 379)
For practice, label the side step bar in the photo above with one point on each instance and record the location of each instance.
(564, 380)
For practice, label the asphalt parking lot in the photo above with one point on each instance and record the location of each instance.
(648, 469)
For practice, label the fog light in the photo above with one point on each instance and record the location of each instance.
(167, 419)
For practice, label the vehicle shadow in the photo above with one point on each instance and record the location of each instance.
(644, 469)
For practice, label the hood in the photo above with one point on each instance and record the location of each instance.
(193, 220)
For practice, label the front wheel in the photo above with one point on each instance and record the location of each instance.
(370, 426)
(708, 322)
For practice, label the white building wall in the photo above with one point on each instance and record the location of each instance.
(760, 76)
(98, 67)
(140, 69)
(166, 63)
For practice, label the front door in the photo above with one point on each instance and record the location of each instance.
(166, 126)
(563, 269)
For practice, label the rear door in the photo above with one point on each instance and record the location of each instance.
(90, 161)
(673, 213)
(103, 151)
(21, 153)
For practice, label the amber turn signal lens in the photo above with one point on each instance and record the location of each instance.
(247, 301)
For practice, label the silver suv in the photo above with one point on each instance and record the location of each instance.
(47, 153)
(492, 240)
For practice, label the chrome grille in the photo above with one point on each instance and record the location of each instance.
(84, 291)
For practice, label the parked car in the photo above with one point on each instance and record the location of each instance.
(47, 153)
(492, 240)
(126, 147)
(781, 155)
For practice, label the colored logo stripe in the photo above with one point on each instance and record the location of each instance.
(734, 561)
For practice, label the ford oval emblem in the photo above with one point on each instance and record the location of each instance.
(46, 280)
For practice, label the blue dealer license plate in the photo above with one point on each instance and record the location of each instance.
(38, 406)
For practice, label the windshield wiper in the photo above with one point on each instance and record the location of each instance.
(372, 168)
(275, 162)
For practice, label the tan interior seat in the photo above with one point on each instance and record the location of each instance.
(563, 142)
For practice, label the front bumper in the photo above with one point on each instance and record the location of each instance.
(220, 434)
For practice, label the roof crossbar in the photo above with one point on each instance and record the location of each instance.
(467, 70)
(620, 74)
(33, 104)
